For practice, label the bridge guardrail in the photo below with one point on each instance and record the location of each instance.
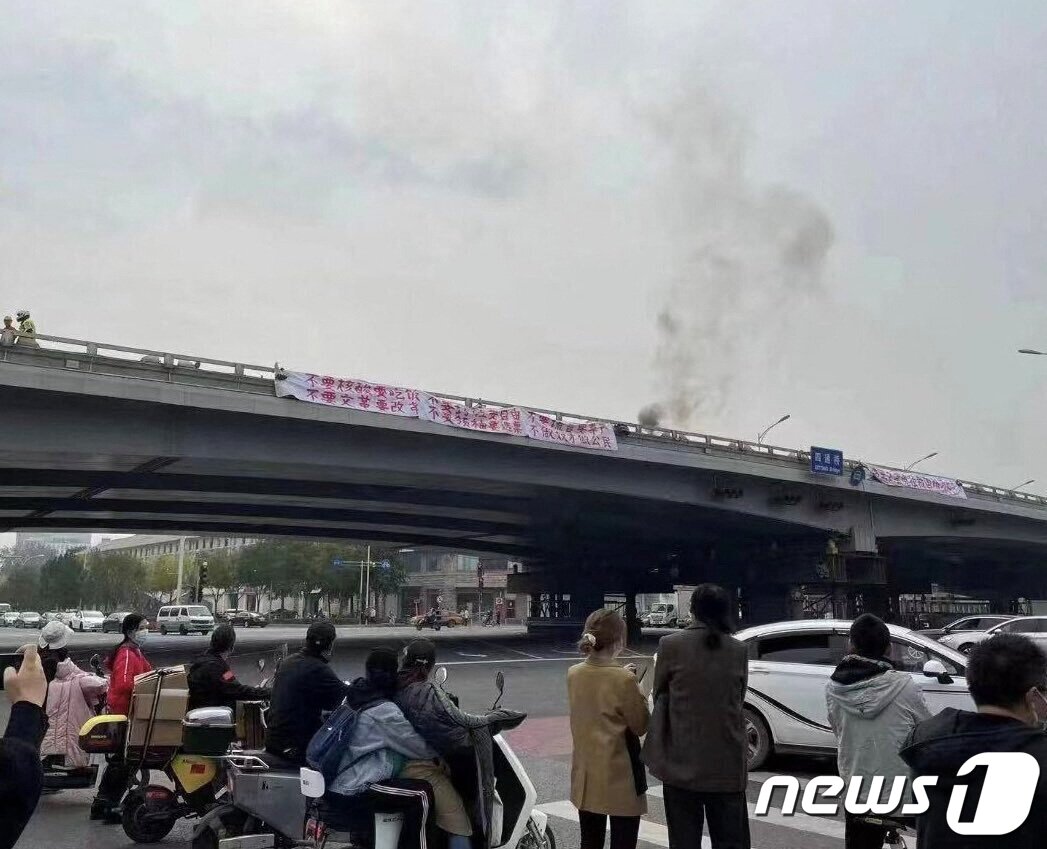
(192, 370)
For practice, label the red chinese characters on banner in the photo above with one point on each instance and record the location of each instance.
(598, 435)
(350, 394)
(507, 420)
(397, 401)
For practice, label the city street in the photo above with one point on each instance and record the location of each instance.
(535, 672)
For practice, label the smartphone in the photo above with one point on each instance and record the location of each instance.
(7, 660)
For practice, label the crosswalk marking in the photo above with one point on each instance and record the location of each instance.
(657, 834)
(799, 822)
(650, 832)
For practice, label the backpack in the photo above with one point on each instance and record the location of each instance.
(327, 747)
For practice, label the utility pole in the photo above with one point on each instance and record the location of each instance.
(367, 592)
(181, 563)
(479, 590)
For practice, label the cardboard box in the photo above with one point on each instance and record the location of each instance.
(170, 708)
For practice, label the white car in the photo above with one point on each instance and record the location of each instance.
(1033, 627)
(789, 668)
(10, 618)
(87, 620)
(28, 619)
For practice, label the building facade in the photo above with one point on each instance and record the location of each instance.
(451, 581)
(59, 543)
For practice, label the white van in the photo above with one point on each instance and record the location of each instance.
(185, 618)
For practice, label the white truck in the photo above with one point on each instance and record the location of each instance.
(675, 611)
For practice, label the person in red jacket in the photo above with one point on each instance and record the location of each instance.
(125, 662)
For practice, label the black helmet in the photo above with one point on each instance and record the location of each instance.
(23, 315)
(320, 637)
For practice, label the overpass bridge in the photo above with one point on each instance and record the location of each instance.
(110, 438)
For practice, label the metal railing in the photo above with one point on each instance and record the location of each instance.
(185, 369)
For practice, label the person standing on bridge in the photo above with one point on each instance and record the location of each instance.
(9, 335)
(27, 327)
(608, 716)
(697, 745)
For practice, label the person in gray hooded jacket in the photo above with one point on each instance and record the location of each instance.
(872, 710)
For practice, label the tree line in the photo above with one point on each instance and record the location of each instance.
(111, 580)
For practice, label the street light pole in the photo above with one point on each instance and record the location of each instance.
(181, 564)
(1033, 352)
(1023, 485)
(769, 428)
(917, 462)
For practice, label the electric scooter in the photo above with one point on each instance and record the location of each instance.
(58, 776)
(280, 805)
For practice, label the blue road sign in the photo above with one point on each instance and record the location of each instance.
(338, 563)
(385, 564)
(826, 461)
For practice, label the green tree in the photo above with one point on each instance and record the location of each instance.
(114, 579)
(21, 586)
(223, 574)
(162, 577)
(61, 581)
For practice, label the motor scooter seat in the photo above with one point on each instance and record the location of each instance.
(274, 761)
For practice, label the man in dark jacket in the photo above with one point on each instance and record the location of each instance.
(304, 687)
(21, 777)
(211, 681)
(1007, 676)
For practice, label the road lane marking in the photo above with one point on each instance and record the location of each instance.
(650, 832)
(466, 654)
(826, 826)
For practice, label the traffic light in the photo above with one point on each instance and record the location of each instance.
(203, 574)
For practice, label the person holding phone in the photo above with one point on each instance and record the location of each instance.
(608, 716)
(21, 776)
(125, 662)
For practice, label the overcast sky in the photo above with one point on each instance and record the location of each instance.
(838, 209)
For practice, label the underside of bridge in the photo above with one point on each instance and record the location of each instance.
(582, 526)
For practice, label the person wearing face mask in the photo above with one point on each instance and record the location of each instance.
(1007, 677)
(124, 663)
(211, 681)
(608, 716)
(304, 687)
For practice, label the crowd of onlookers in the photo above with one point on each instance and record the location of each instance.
(691, 735)
(24, 334)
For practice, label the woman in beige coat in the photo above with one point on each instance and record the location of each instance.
(606, 706)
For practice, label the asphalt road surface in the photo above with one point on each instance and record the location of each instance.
(535, 672)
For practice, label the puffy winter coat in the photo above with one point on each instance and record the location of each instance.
(128, 663)
(70, 698)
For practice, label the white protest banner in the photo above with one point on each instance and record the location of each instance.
(598, 435)
(350, 394)
(913, 480)
(507, 420)
(398, 401)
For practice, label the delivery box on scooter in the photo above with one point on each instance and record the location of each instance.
(165, 708)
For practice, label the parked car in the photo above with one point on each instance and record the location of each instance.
(10, 618)
(28, 619)
(445, 618)
(1033, 627)
(245, 618)
(789, 667)
(185, 618)
(283, 613)
(114, 621)
(50, 616)
(66, 616)
(87, 620)
(968, 624)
